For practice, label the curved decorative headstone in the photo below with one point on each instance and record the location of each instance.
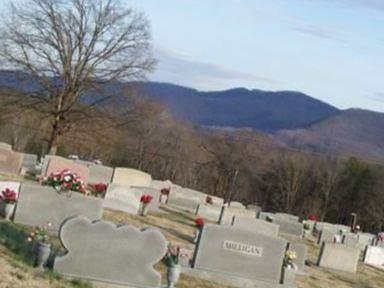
(131, 177)
(102, 252)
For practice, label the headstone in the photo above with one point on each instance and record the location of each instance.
(122, 256)
(255, 208)
(350, 239)
(83, 162)
(188, 199)
(256, 225)
(374, 255)
(286, 217)
(235, 204)
(265, 215)
(227, 214)
(209, 212)
(157, 184)
(29, 162)
(327, 235)
(122, 198)
(38, 205)
(5, 146)
(345, 229)
(58, 164)
(131, 177)
(10, 161)
(301, 250)
(365, 239)
(339, 257)
(100, 174)
(289, 227)
(155, 203)
(240, 253)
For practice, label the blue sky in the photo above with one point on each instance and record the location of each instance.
(329, 49)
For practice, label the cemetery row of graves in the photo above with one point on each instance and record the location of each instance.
(235, 245)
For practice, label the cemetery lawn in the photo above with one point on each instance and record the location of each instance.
(178, 227)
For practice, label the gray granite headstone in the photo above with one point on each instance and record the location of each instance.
(131, 177)
(339, 257)
(301, 253)
(289, 227)
(29, 162)
(365, 239)
(227, 214)
(38, 205)
(101, 252)
(100, 174)
(286, 217)
(350, 239)
(374, 255)
(240, 253)
(155, 193)
(209, 212)
(265, 215)
(256, 225)
(327, 235)
(122, 198)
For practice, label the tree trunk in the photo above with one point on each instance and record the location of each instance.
(53, 142)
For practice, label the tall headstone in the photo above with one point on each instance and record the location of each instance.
(10, 161)
(289, 227)
(155, 193)
(100, 174)
(286, 217)
(209, 212)
(101, 252)
(122, 198)
(301, 250)
(256, 225)
(240, 253)
(227, 214)
(38, 205)
(339, 257)
(29, 162)
(131, 177)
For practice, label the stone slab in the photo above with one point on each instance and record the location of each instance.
(301, 250)
(227, 214)
(10, 161)
(100, 174)
(122, 198)
(365, 239)
(289, 227)
(105, 253)
(264, 215)
(131, 177)
(29, 161)
(38, 205)
(374, 256)
(350, 239)
(209, 212)
(235, 204)
(327, 234)
(287, 217)
(155, 193)
(241, 253)
(256, 225)
(339, 257)
(58, 164)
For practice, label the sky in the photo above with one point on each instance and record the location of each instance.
(329, 49)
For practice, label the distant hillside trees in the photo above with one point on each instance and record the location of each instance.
(70, 47)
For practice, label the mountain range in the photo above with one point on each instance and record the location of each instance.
(292, 118)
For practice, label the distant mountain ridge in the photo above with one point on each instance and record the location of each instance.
(240, 108)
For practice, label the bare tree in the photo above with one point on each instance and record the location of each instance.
(70, 48)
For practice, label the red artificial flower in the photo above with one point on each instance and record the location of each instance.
(312, 218)
(199, 222)
(8, 196)
(145, 199)
(209, 200)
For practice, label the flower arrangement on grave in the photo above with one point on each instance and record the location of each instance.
(171, 260)
(145, 200)
(8, 197)
(65, 181)
(43, 248)
(209, 200)
(313, 218)
(98, 189)
(289, 258)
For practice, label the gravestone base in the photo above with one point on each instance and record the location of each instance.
(231, 280)
(99, 284)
